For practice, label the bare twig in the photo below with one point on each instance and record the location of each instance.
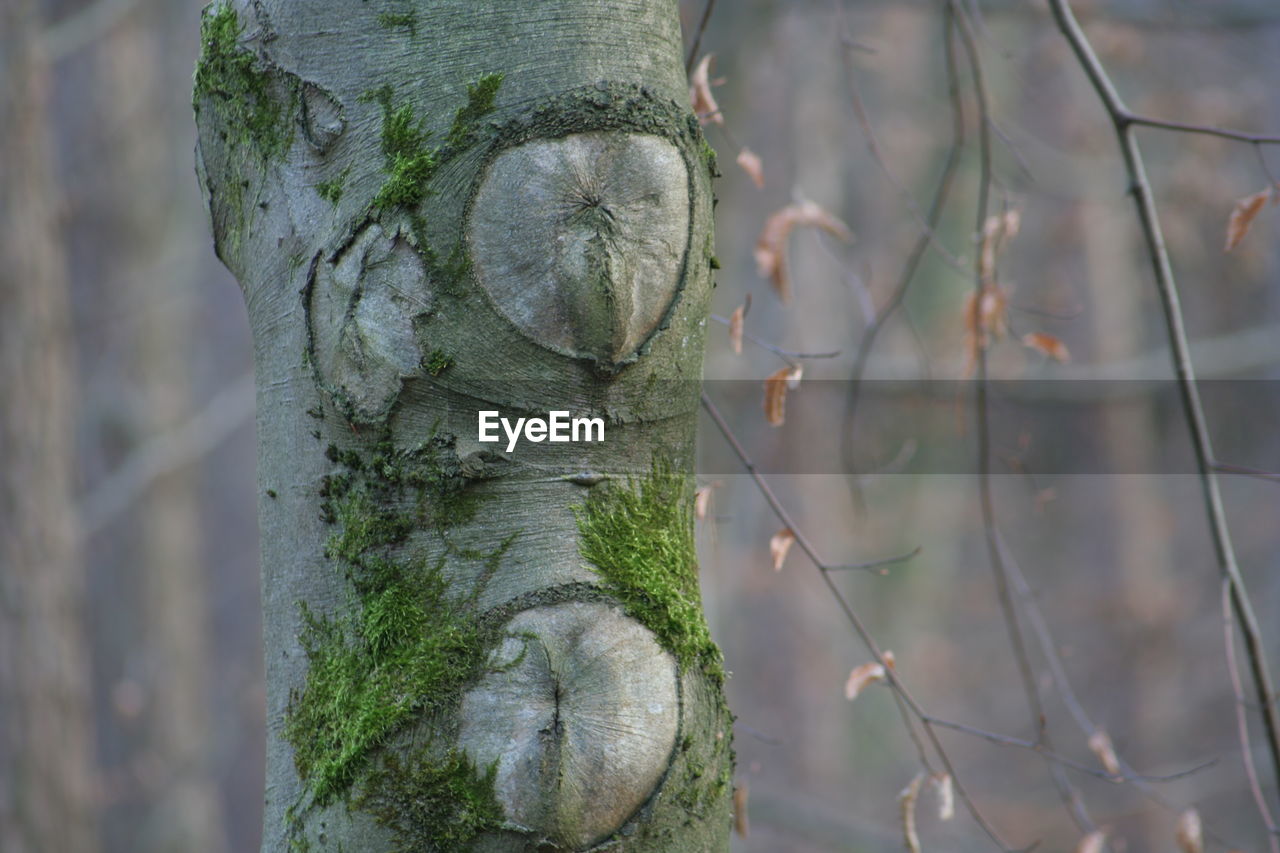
(1245, 471)
(1039, 748)
(777, 350)
(1062, 683)
(697, 36)
(900, 689)
(876, 564)
(1071, 797)
(1122, 120)
(1242, 720)
(873, 147)
(225, 412)
(916, 255)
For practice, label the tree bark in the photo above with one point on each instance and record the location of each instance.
(436, 210)
(46, 754)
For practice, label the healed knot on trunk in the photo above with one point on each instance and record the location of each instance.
(579, 709)
(581, 242)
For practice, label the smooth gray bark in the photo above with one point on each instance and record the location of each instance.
(417, 243)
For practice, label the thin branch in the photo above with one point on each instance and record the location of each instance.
(876, 564)
(1245, 471)
(916, 255)
(776, 350)
(1039, 748)
(873, 147)
(1140, 187)
(1123, 118)
(697, 36)
(1062, 683)
(1071, 797)
(1242, 720)
(225, 412)
(900, 689)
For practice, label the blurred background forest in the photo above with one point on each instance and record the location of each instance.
(1107, 525)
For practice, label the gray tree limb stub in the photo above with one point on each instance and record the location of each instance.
(580, 241)
(565, 675)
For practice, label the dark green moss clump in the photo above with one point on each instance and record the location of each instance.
(240, 87)
(405, 648)
(433, 805)
(480, 98)
(410, 159)
(331, 190)
(640, 538)
(393, 20)
(437, 362)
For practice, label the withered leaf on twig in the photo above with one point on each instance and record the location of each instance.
(750, 163)
(771, 245)
(779, 545)
(1242, 216)
(704, 103)
(776, 385)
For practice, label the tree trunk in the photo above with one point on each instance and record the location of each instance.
(46, 754)
(436, 210)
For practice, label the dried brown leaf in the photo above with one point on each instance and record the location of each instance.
(1047, 345)
(1242, 216)
(771, 245)
(740, 824)
(750, 163)
(1189, 833)
(946, 795)
(735, 328)
(775, 393)
(907, 800)
(779, 545)
(1092, 843)
(702, 501)
(985, 320)
(704, 103)
(1100, 745)
(997, 232)
(862, 676)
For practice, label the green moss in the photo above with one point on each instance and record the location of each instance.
(392, 20)
(640, 538)
(410, 160)
(709, 158)
(240, 87)
(433, 804)
(405, 648)
(437, 362)
(480, 98)
(331, 190)
(405, 651)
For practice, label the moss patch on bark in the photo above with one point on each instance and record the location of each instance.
(402, 651)
(240, 87)
(640, 539)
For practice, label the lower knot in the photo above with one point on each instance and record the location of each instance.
(579, 709)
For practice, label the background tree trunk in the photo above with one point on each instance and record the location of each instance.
(46, 791)
(435, 211)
